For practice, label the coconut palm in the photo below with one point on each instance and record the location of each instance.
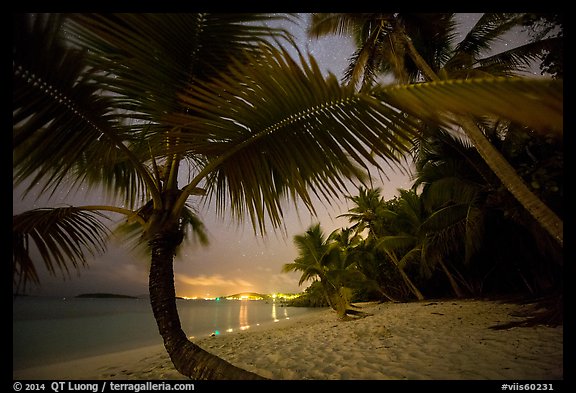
(373, 213)
(319, 259)
(347, 271)
(393, 39)
(141, 105)
(452, 177)
(161, 108)
(425, 236)
(380, 40)
(330, 261)
(365, 214)
(383, 49)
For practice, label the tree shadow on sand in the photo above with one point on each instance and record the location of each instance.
(543, 311)
(352, 314)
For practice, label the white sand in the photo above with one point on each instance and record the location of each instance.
(429, 340)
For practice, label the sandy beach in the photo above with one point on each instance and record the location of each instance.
(428, 340)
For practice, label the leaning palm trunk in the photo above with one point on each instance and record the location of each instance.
(514, 183)
(188, 358)
(386, 295)
(453, 284)
(335, 299)
(497, 163)
(407, 281)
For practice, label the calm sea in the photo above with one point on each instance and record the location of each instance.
(49, 330)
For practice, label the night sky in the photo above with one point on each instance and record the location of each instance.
(236, 260)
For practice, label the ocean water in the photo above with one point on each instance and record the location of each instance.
(48, 330)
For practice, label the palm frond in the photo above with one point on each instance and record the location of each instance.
(194, 229)
(63, 126)
(396, 242)
(131, 231)
(62, 236)
(149, 58)
(489, 27)
(445, 217)
(536, 103)
(322, 24)
(308, 272)
(449, 189)
(415, 254)
(478, 43)
(272, 128)
(409, 212)
(515, 60)
(361, 67)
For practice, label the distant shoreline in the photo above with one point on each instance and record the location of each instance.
(285, 299)
(104, 295)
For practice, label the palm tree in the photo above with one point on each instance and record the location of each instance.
(393, 39)
(380, 41)
(347, 271)
(377, 274)
(454, 179)
(365, 214)
(373, 213)
(426, 237)
(319, 259)
(141, 105)
(131, 102)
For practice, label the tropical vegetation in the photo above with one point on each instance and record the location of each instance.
(459, 231)
(161, 109)
(329, 260)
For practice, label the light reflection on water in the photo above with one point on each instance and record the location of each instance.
(213, 318)
(275, 315)
(274, 312)
(47, 329)
(243, 315)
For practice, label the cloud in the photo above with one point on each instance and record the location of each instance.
(215, 280)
